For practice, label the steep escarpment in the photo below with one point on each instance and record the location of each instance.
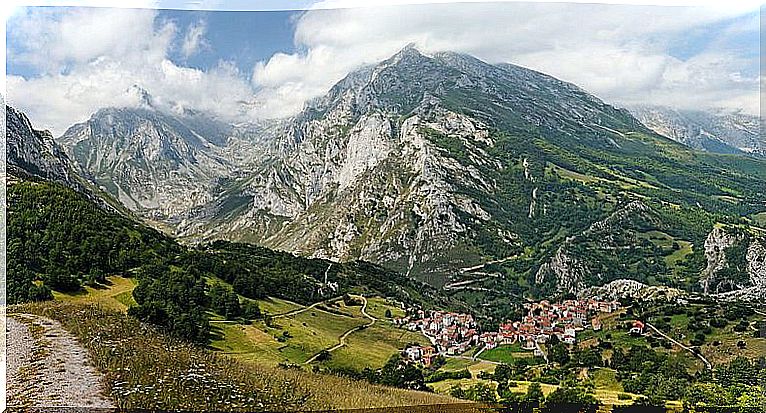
(736, 263)
(154, 163)
(34, 153)
(712, 131)
(431, 163)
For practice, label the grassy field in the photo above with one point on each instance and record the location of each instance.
(295, 338)
(608, 395)
(144, 369)
(307, 333)
(666, 241)
(377, 306)
(373, 346)
(605, 379)
(728, 350)
(505, 354)
(678, 255)
(455, 364)
(277, 306)
(116, 294)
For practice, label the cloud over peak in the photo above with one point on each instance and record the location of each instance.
(88, 58)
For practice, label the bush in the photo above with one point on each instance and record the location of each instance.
(448, 375)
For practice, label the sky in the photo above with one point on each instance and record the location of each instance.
(65, 63)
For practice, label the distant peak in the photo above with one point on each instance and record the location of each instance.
(144, 98)
(410, 51)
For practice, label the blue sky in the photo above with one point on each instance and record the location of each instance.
(241, 37)
(65, 63)
(244, 38)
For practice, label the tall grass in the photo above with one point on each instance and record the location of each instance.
(145, 369)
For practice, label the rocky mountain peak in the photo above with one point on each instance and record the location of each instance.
(33, 152)
(150, 160)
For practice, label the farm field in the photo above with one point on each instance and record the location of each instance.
(296, 338)
(116, 294)
(288, 339)
(373, 346)
(505, 353)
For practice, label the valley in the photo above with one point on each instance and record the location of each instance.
(294, 335)
(586, 257)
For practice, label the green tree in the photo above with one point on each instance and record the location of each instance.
(559, 353)
(534, 394)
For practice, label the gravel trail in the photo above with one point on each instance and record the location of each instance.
(46, 367)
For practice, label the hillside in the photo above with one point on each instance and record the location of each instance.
(274, 310)
(156, 164)
(175, 375)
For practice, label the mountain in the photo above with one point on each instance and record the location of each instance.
(157, 164)
(713, 131)
(495, 177)
(486, 179)
(34, 153)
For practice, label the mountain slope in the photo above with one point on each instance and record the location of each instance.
(718, 132)
(34, 153)
(432, 164)
(155, 163)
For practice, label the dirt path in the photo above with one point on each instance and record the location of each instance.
(47, 367)
(304, 309)
(342, 338)
(679, 344)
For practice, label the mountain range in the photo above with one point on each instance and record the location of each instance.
(714, 131)
(488, 180)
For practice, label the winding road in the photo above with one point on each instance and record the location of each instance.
(342, 338)
(689, 349)
(480, 266)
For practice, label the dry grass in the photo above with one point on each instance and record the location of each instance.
(115, 295)
(146, 370)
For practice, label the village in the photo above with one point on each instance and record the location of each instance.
(453, 334)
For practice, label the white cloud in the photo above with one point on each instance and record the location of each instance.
(91, 59)
(194, 40)
(618, 52)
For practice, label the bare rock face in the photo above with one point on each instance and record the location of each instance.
(424, 164)
(32, 152)
(153, 163)
(716, 244)
(711, 131)
(619, 289)
(569, 272)
(756, 263)
(395, 165)
(753, 286)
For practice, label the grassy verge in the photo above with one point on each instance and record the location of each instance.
(144, 369)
